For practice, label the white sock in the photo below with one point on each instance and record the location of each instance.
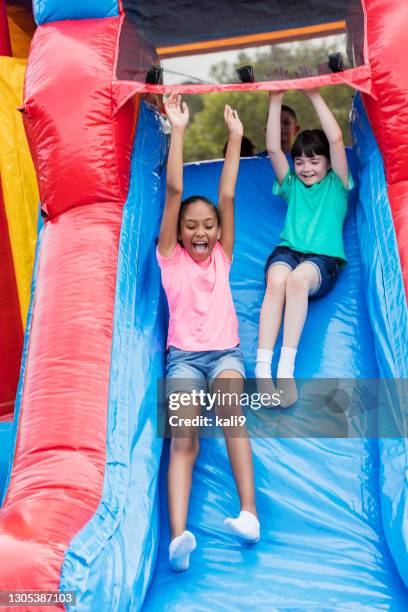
(246, 526)
(263, 363)
(286, 365)
(180, 549)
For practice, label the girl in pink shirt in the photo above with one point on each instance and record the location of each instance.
(195, 254)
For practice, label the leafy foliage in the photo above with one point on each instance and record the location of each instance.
(206, 134)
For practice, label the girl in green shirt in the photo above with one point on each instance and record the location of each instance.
(306, 261)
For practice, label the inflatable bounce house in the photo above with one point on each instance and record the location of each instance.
(84, 506)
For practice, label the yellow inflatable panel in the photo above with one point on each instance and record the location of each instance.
(18, 178)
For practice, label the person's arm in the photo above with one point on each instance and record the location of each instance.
(273, 136)
(333, 132)
(178, 116)
(226, 191)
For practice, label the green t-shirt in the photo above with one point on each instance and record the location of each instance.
(315, 217)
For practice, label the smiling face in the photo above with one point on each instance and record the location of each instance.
(199, 230)
(311, 170)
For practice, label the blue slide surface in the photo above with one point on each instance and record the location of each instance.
(334, 511)
(323, 544)
(6, 428)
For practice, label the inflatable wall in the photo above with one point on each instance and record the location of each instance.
(85, 501)
(18, 228)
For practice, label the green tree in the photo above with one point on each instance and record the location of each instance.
(206, 134)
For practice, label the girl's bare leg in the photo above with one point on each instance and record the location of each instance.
(269, 323)
(300, 283)
(183, 453)
(273, 306)
(239, 451)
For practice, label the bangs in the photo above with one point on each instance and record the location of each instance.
(311, 143)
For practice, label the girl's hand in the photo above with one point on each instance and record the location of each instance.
(276, 95)
(304, 73)
(233, 122)
(311, 93)
(278, 74)
(176, 111)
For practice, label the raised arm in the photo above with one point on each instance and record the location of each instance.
(226, 192)
(333, 132)
(178, 116)
(273, 136)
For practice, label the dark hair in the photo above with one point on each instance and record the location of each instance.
(247, 148)
(311, 143)
(289, 110)
(196, 198)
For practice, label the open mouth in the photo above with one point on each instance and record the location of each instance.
(200, 246)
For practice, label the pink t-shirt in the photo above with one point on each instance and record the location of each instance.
(202, 313)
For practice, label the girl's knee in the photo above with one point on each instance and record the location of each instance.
(297, 282)
(276, 283)
(185, 446)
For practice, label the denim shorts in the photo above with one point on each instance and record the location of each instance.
(326, 266)
(188, 370)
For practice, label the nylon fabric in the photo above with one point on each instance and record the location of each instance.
(21, 28)
(359, 78)
(6, 428)
(320, 509)
(17, 403)
(110, 561)
(56, 480)
(80, 144)
(18, 179)
(188, 28)
(181, 22)
(387, 24)
(333, 511)
(388, 315)
(53, 10)
(322, 545)
(59, 462)
(386, 38)
(5, 44)
(11, 330)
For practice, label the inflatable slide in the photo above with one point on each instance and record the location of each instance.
(84, 509)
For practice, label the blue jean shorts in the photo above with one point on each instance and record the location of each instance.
(188, 370)
(326, 266)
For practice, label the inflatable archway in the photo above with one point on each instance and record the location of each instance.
(84, 508)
